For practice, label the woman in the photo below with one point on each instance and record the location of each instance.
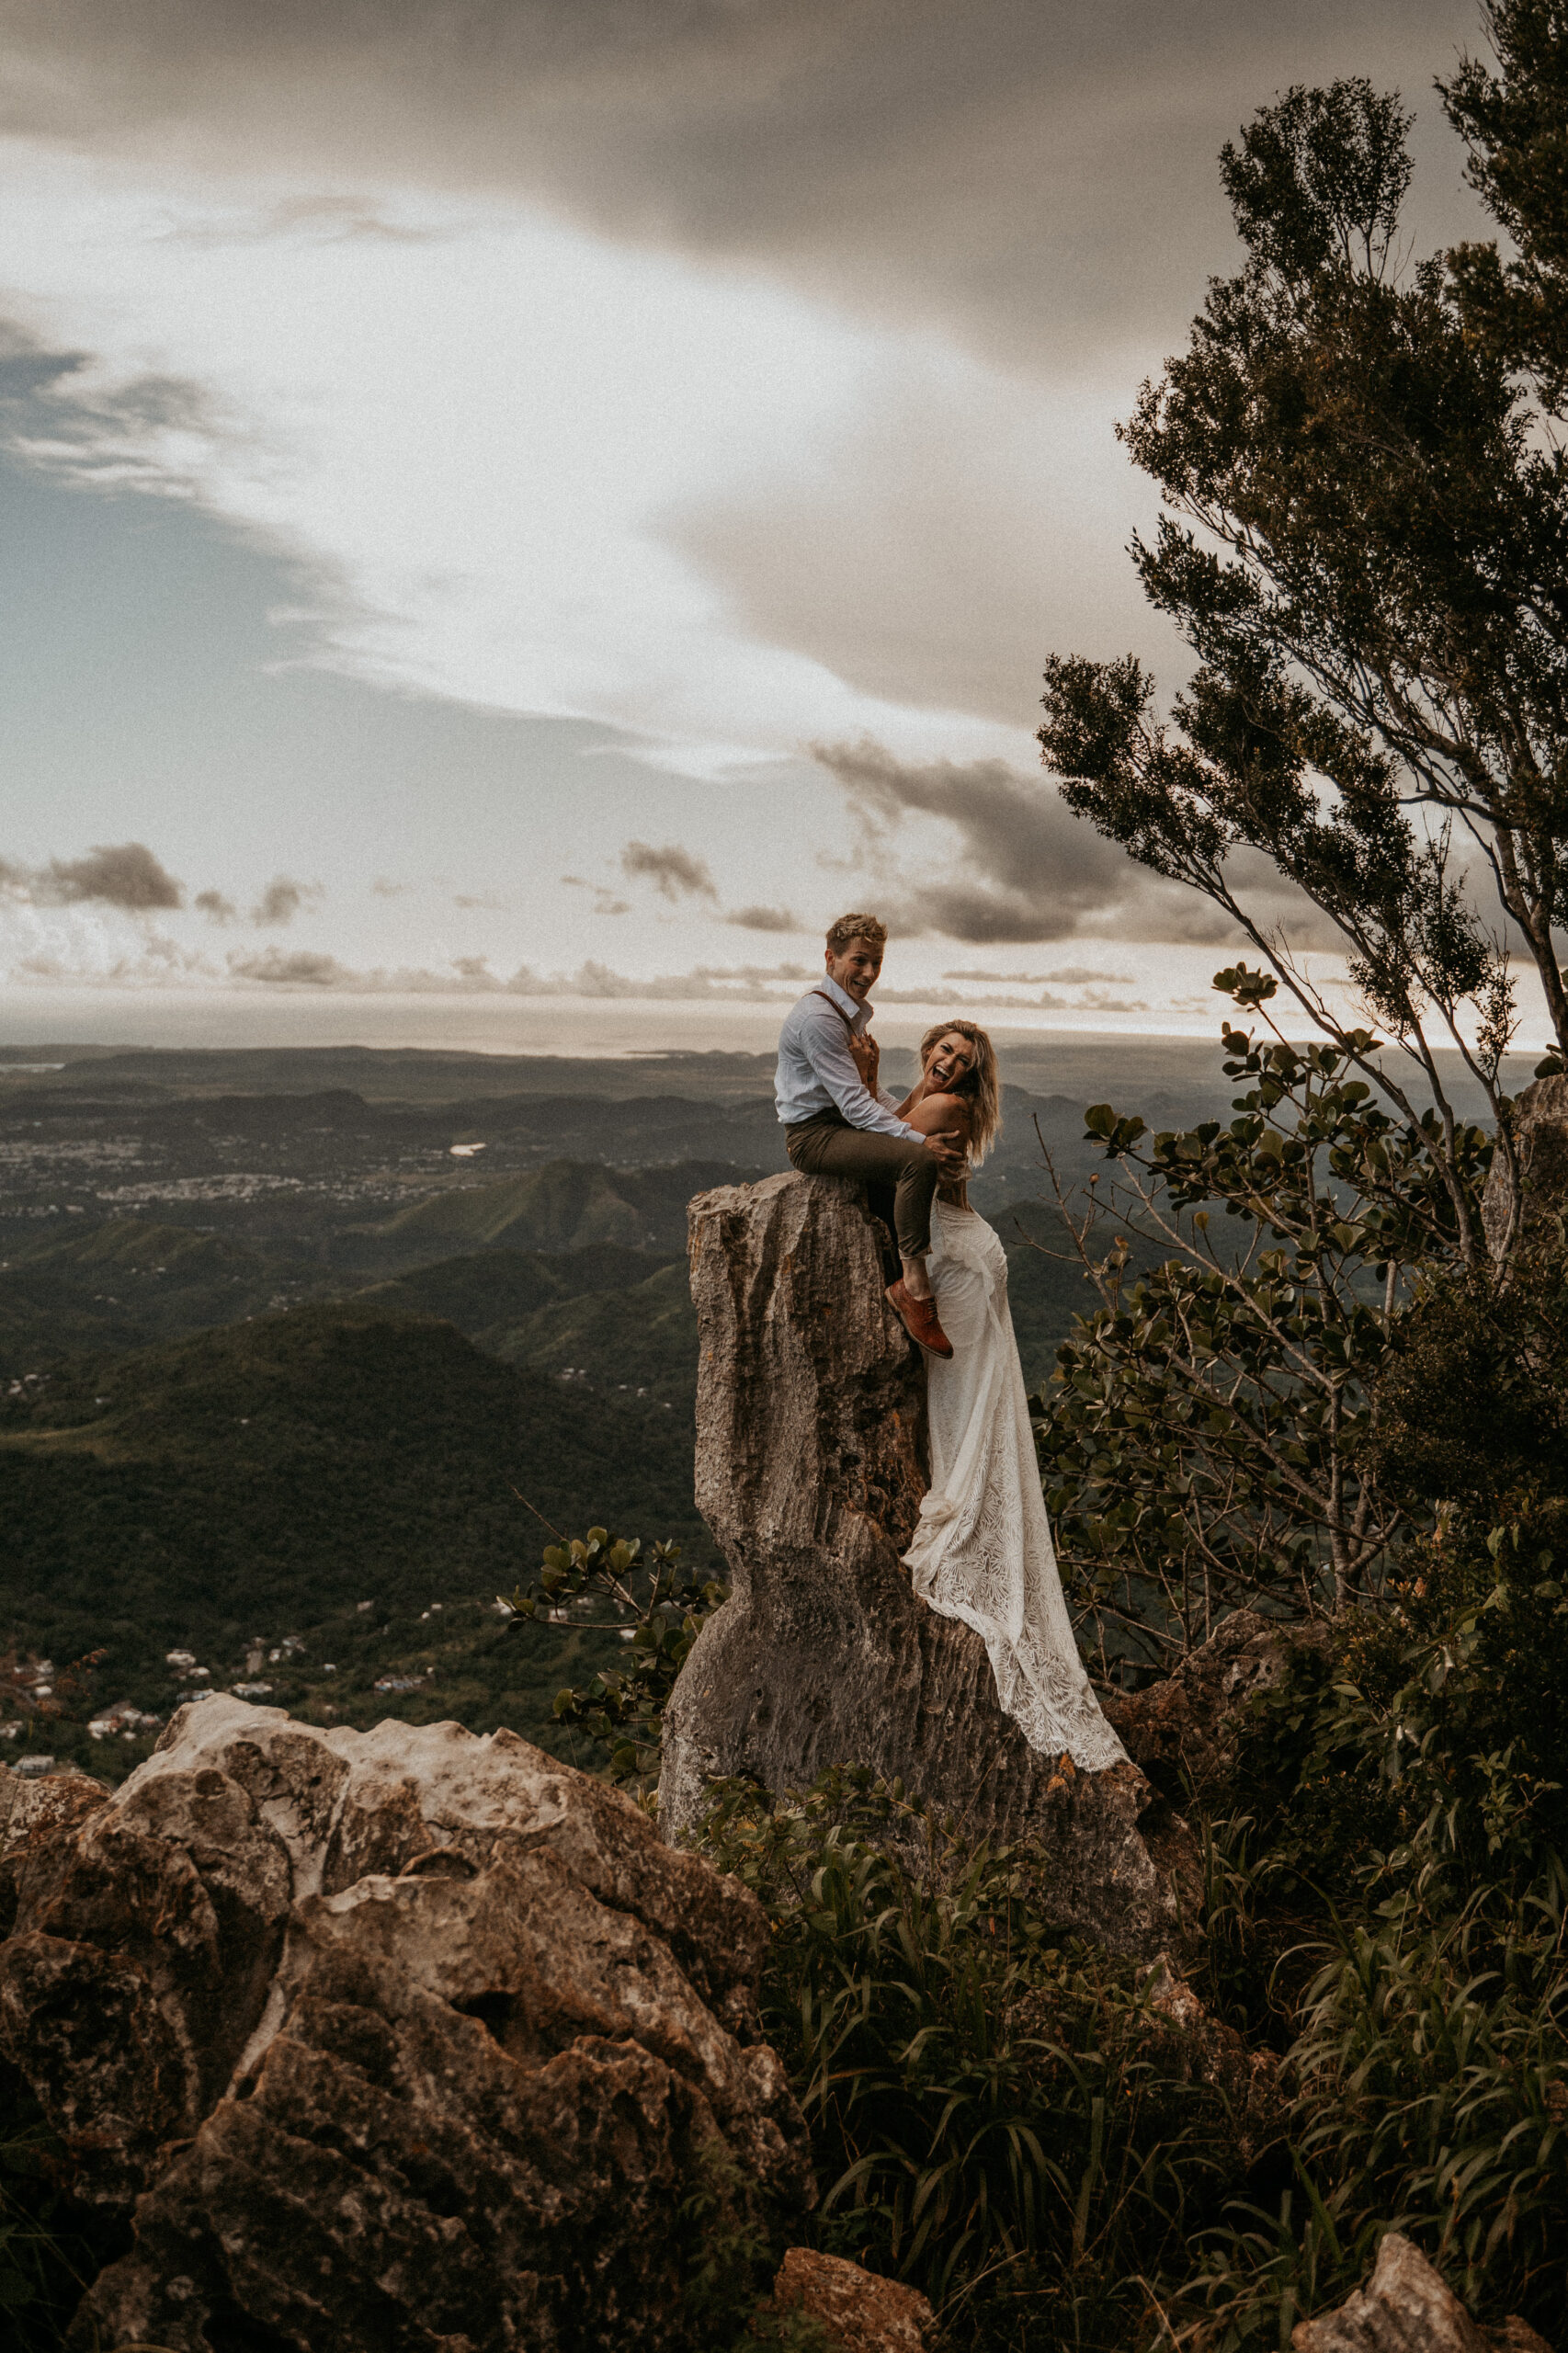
(983, 1551)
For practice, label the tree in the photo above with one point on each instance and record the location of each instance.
(1516, 126)
(1366, 548)
(1209, 1440)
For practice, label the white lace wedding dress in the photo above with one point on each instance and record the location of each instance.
(983, 1551)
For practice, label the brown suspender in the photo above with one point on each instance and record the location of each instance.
(839, 1010)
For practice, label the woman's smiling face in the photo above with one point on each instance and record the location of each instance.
(949, 1061)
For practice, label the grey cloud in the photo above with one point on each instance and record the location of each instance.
(1071, 976)
(303, 967)
(216, 907)
(605, 901)
(676, 873)
(67, 422)
(968, 159)
(938, 542)
(1034, 178)
(320, 219)
(155, 959)
(760, 984)
(762, 919)
(124, 874)
(282, 899)
(1027, 868)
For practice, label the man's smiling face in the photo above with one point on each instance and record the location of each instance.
(855, 968)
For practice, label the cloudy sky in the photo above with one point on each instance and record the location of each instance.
(563, 497)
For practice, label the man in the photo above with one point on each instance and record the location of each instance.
(839, 1123)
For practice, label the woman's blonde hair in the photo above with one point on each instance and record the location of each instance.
(978, 1086)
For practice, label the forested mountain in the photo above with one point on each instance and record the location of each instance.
(267, 1356)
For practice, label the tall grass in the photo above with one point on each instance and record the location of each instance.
(46, 2261)
(1008, 2120)
(998, 2117)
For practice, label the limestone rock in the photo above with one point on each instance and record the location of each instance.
(810, 1473)
(1185, 2044)
(857, 2312)
(397, 2038)
(1542, 1143)
(31, 1812)
(1406, 2308)
(1183, 1729)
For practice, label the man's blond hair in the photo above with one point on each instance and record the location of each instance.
(850, 928)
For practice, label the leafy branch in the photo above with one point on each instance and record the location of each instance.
(641, 1591)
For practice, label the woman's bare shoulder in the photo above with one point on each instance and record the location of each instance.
(940, 1115)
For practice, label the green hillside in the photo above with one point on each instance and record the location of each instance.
(267, 1478)
(488, 1290)
(642, 1339)
(227, 1487)
(566, 1205)
(129, 1281)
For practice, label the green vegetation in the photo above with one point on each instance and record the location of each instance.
(494, 1289)
(595, 1313)
(566, 1205)
(644, 1335)
(1047, 2140)
(264, 1480)
(1365, 504)
(643, 1597)
(1208, 1438)
(181, 1468)
(993, 2110)
(127, 1282)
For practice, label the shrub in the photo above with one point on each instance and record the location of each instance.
(998, 2114)
(643, 1592)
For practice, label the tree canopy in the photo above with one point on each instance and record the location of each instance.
(1366, 547)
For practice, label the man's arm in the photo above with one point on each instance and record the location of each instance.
(825, 1043)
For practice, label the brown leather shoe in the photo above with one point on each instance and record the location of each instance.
(919, 1319)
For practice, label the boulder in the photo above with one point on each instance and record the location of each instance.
(1540, 1116)
(855, 2311)
(402, 2038)
(1185, 2044)
(810, 1472)
(1182, 1729)
(1405, 2307)
(31, 1812)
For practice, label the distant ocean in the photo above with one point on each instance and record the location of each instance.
(491, 1024)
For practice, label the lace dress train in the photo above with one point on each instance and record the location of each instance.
(983, 1551)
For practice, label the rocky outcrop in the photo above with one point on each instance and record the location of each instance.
(1405, 2307)
(1541, 1145)
(397, 2039)
(855, 2311)
(30, 1813)
(1184, 2043)
(1183, 1730)
(810, 1473)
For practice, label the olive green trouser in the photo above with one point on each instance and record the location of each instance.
(900, 1172)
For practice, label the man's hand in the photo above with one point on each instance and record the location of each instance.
(866, 1056)
(952, 1157)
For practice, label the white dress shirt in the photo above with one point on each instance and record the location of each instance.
(816, 1069)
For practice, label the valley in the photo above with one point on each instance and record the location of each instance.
(295, 1373)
